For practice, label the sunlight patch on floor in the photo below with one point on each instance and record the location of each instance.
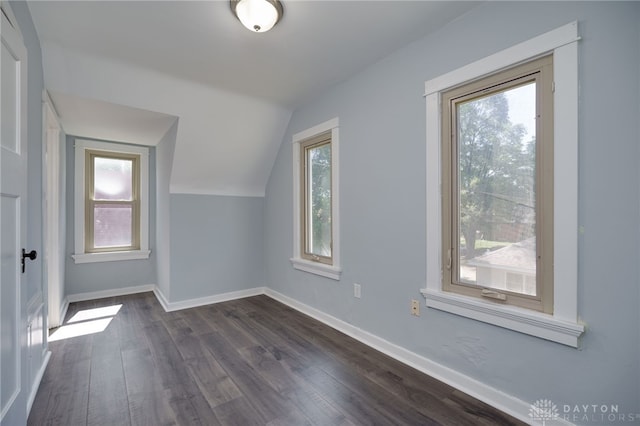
(87, 321)
(80, 329)
(90, 314)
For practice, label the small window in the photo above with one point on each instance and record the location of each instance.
(497, 174)
(316, 199)
(316, 224)
(111, 200)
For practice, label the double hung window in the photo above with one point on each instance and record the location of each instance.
(111, 202)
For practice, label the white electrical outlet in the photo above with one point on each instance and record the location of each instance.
(415, 307)
(357, 290)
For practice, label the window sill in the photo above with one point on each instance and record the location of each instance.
(321, 269)
(114, 256)
(517, 319)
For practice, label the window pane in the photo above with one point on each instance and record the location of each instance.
(113, 179)
(496, 220)
(112, 225)
(318, 241)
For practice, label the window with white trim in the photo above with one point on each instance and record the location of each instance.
(497, 186)
(315, 199)
(544, 296)
(111, 202)
(316, 221)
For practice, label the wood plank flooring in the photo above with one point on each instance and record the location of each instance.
(251, 361)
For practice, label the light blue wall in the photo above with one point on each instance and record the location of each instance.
(383, 204)
(216, 245)
(164, 162)
(102, 276)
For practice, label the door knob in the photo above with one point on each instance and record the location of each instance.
(31, 255)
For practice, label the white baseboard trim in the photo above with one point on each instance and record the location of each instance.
(208, 300)
(161, 298)
(80, 297)
(494, 397)
(36, 382)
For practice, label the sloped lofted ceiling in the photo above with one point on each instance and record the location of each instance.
(232, 91)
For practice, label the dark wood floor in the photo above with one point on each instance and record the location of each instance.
(246, 362)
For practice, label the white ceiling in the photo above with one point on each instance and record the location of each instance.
(317, 45)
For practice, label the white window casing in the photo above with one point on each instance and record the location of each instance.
(563, 325)
(334, 270)
(80, 255)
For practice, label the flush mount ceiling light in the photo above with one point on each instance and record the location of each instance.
(257, 15)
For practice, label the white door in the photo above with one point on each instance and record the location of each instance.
(13, 192)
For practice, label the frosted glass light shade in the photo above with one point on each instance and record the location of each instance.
(257, 15)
